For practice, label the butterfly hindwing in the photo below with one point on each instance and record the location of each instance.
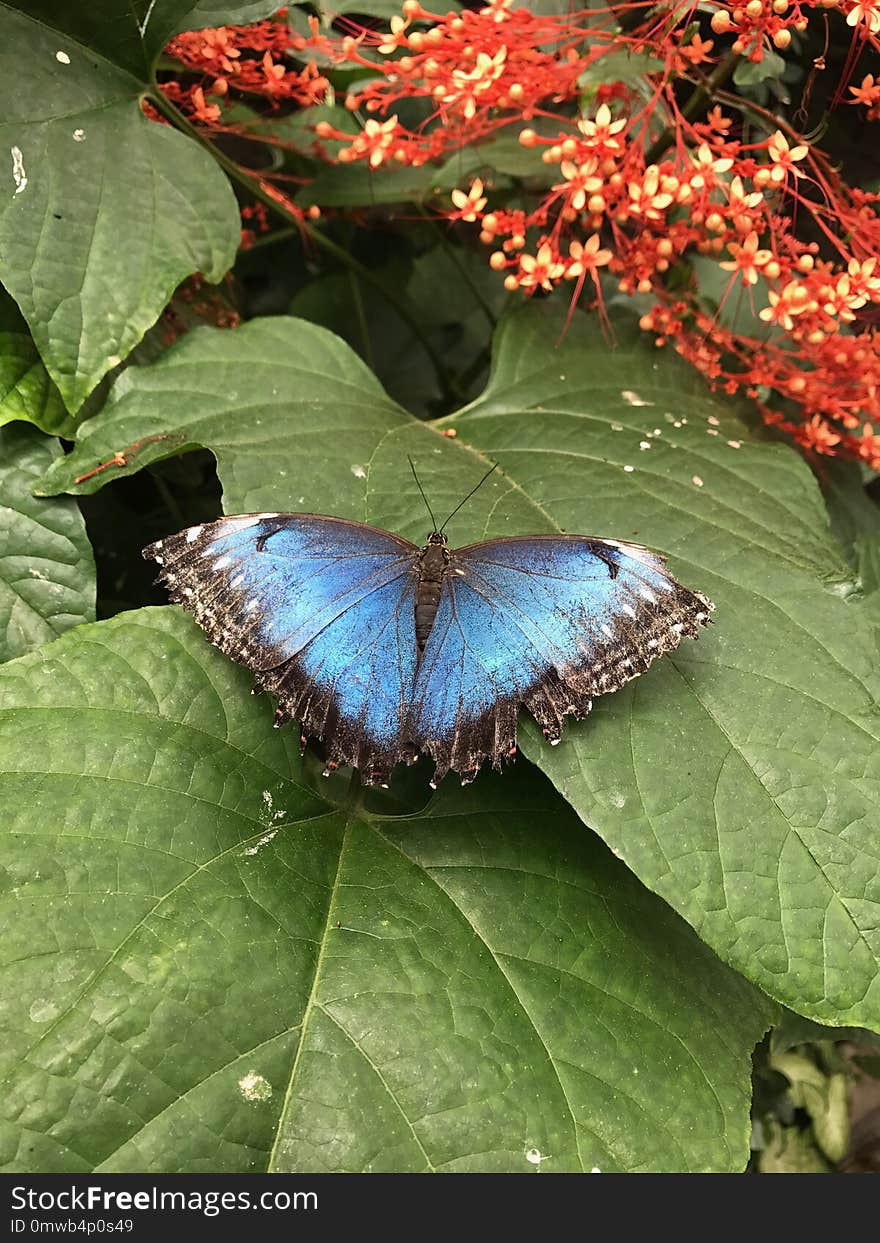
(545, 622)
(321, 609)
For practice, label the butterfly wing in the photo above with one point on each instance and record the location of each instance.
(546, 622)
(321, 609)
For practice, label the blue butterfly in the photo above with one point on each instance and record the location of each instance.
(385, 650)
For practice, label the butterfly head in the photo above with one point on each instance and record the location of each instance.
(437, 538)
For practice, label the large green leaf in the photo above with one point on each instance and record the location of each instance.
(738, 779)
(26, 391)
(47, 572)
(208, 967)
(102, 212)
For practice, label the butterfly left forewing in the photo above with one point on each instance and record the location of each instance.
(551, 621)
(321, 610)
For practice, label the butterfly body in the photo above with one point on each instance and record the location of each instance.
(433, 565)
(386, 650)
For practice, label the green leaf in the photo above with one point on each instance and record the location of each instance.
(358, 185)
(623, 66)
(793, 1029)
(751, 73)
(739, 778)
(207, 13)
(47, 572)
(26, 391)
(330, 9)
(211, 968)
(868, 550)
(198, 390)
(103, 212)
(852, 513)
(790, 1150)
(823, 1096)
(496, 161)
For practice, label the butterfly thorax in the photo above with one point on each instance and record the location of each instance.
(433, 563)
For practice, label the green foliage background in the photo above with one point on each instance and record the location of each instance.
(213, 960)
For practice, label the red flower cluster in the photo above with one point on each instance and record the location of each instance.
(230, 56)
(636, 184)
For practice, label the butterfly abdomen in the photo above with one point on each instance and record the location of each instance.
(432, 568)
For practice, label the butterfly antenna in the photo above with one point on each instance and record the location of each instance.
(412, 466)
(469, 495)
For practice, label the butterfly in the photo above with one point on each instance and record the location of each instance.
(385, 650)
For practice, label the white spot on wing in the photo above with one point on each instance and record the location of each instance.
(607, 630)
(193, 534)
(19, 176)
(648, 595)
(241, 524)
(222, 562)
(628, 609)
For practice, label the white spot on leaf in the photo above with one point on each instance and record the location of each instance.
(258, 845)
(79, 135)
(254, 1087)
(634, 399)
(19, 176)
(43, 1010)
(62, 58)
(359, 472)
